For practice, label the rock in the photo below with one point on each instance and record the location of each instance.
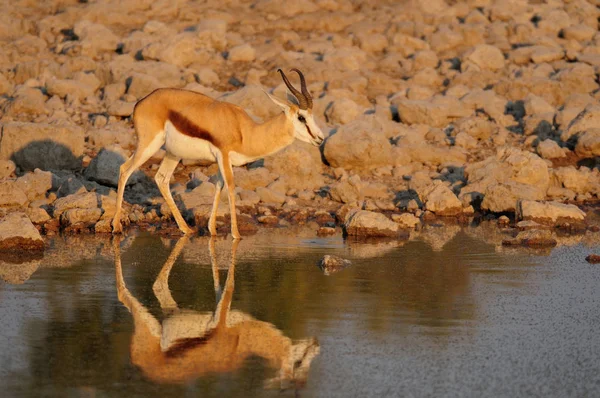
(301, 165)
(347, 191)
(141, 84)
(406, 220)
(269, 196)
(253, 99)
(593, 259)
(532, 238)
(363, 223)
(537, 105)
(11, 195)
(549, 149)
(18, 234)
(587, 119)
(547, 54)
(242, 53)
(104, 168)
(95, 38)
(37, 215)
(588, 143)
(437, 113)
(512, 174)
(88, 200)
(36, 184)
(250, 179)
(331, 264)
(359, 144)
(43, 146)
(343, 111)
(70, 87)
(484, 56)
(27, 100)
(442, 201)
(550, 212)
(203, 194)
(579, 181)
(121, 108)
(325, 231)
(80, 216)
(70, 185)
(7, 168)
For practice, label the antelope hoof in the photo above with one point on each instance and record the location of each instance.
(117, 228)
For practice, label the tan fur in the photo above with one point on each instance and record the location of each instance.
(226, 126)
(227, 340)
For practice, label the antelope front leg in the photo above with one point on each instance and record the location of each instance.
(212, 222)
(227, 173)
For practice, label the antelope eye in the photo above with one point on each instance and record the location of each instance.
(301, 118)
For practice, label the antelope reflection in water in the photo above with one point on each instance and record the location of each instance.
(189, 344)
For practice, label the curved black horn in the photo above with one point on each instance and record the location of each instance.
(303, 87)
(302, 100)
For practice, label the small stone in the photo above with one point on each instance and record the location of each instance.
(331, 264)
(593, 259)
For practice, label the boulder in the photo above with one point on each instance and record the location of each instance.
(242, 53)
(406, 220)
(36, 184)
(270, 196)
(588, 143)
(484, 56)
(88, 200)
(301, 165)
(442, 201)
(587, 119)
(104, 168)
(17, 233)
(549, 149)
(11, 195)
(363, 224)
(79, 216)
(251, 179)
(436, 113)
(95, 38)
(503, 197)
(359, 144)
(550, 212)
(347, 191)
(43, 146)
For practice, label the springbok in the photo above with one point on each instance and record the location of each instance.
(191, 125)
(189, 344)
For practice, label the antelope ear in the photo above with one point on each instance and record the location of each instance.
(282, 104)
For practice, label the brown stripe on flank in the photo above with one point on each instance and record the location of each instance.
(189, 128)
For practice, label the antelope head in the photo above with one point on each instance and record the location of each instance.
(300, 116)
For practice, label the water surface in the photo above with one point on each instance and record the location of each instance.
(448, 313)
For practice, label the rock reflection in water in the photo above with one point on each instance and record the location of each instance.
(189, 344)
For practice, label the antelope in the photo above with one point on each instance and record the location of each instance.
(193, 126)
(190, 344)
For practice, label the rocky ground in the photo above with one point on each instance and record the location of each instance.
(434, 110)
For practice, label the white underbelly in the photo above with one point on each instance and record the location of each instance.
(186, 147)
(238, 159)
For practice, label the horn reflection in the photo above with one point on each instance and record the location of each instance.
(189, 344)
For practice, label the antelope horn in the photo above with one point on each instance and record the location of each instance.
(302, 101)
(303, 88)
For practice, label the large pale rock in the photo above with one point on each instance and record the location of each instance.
(406, 220)
(78, 216)
(74, 88)
(36, 184)
(484, 56)
(104, 168)
(26, 100)
(549, 149)
(511, 174)
(43, 146)
(359, 144)
(141, 84)
(550, 212)
(504, 197)
(11, 195)
(363, 223)
(300, 163)
(442, 201)
(251, 179)
(437, 113)
(95, 38)
(270, 196)
(242, 53)
(588, 143)
(580, 181)
(347, 191)
(87, 200)
(203, 194)
(252, 99)
(17, 233)
(589, 118)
